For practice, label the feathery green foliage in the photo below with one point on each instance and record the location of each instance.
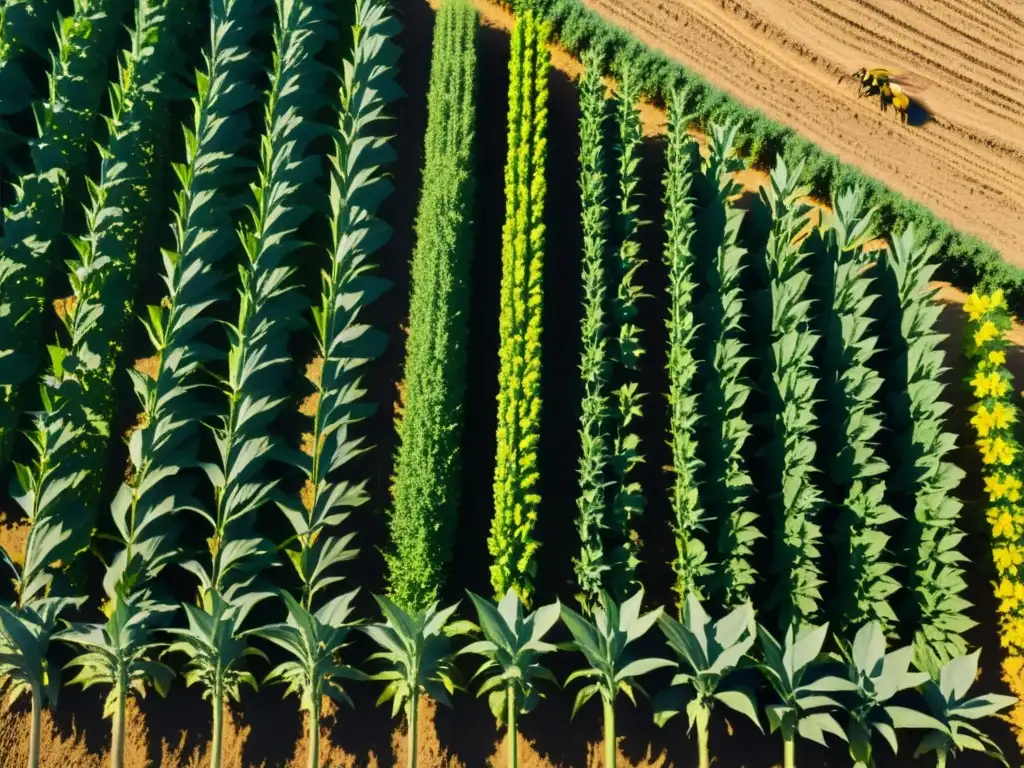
(516, 476)
(28, 248)
(795, 499)
(924, 477)
(428, 466)
(358, 185)
(595, 365)
(722, 366)
(621, 543)
(691, 565)
(850, 454)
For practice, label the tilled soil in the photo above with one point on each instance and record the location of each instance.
(963, 60)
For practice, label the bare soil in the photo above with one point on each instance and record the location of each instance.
(963, 61)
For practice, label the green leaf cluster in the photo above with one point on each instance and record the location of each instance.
(428, 466)
(66, 122)
(595, 363)
(690, 565)
(850, 387)
(516, 475)
(923, 475)
(791, 381)
(721, 259)
(627, 500)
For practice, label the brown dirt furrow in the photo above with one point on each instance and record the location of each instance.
(783, 57)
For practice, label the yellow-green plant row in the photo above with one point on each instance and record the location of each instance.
(995, 420)
(29, 247)
(516, 475)
(428, 466)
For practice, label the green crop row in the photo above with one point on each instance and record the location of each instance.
(428, 466)
(517, 474)
(29, 252)
(966, 260)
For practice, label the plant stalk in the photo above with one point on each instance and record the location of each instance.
(609, 735)
(413, 716)
(703, 757)
(941, 762)
(117, 732)
(314, 734)
(34, 735)
(218, 731)
(789, 753)
(513, 736)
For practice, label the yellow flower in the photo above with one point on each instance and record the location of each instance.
(982, 420)
(1002, 416)
(988, 384)
(976, 306)
(996, 451)
(987, 332)
(994, 488)
(996, 300)
(1002, 528)
(1011, 488)
(997, 357)
(1007, 558)
(1010, 593)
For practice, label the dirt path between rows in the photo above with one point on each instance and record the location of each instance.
(965, 60)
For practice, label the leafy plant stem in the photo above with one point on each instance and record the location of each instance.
(513, 740)
(941, 762)
(218, 729)
(37, 711)
(609, 734)
(413, 717)
(314, 734)
(789, 752)
(704, 759)
(117, 730)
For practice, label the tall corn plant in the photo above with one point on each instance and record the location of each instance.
(119, 652)
(257, 363)
(516, 476)
(925, 477)
(595, 365)
(66, 120)
(850, 444)
(690, 565)
(621, 542)
(358, 185)
(720, 314)
(796, 499)
(428, 466)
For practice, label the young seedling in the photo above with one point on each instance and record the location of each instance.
(512, 648)
(418, 653)
(948, 702)
(796, 671)
(706, 658)
(612, 669)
